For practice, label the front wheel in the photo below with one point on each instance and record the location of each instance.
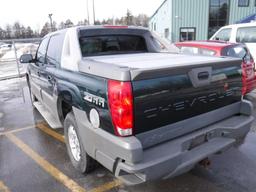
(79, 158)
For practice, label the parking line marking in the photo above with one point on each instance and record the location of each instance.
(17, 130)
(107, 186)
(48, 167)
(50, 132)
(101, 188)
(3, 187)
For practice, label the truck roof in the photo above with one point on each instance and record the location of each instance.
(84, 27)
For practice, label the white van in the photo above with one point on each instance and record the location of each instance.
(239, 33)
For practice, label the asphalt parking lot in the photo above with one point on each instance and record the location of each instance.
(33, 157)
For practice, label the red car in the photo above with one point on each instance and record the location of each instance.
(220, 48)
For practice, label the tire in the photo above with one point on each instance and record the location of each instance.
(85, 163)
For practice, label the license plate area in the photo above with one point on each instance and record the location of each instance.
(199, 140)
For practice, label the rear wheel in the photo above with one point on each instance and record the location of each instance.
(79, 158)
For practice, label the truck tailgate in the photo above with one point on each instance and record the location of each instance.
(186, 92)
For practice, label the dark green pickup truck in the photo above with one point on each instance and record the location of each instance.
(130, 104)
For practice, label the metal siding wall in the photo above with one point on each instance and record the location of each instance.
(238, 13)
(162, 19)
(191, 13)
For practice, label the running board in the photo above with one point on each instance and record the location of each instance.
(49, 118)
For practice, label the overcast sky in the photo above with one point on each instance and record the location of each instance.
(35, 12)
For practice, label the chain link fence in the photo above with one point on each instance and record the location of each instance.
(12, 85)
(10, 52)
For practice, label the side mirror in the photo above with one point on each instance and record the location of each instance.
(26, 58)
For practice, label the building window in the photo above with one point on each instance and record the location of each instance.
(243, 3)
(166, 33)
(187, 33)
(218, 16)
(154, 26)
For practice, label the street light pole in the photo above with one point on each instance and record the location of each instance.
(50, 16)
(93, 12)
(88, 17)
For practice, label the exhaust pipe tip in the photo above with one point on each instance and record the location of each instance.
(205, 163)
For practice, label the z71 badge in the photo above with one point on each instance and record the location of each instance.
(94, 99)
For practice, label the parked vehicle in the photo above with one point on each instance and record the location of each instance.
(142, 113)
(239, 33)
(222, 48)
(4, 47)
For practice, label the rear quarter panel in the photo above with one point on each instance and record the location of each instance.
(73, 86)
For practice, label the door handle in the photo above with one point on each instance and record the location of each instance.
(203, 75)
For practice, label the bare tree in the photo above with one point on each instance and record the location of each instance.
(8, 30)
(69, 23)
(46, 29)
(62, 25)
(17, 30)
(29, 32)
(84, 22)
(129, 18)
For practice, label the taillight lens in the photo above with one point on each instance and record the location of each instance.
(244, 83)
(120, 100)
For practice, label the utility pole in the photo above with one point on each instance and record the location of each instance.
(88, 17)
(93, 12)
(50, 17)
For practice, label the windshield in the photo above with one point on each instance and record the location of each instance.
(112, 44)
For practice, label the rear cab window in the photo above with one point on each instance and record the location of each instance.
(223, 35)
(112, 44)
(246, 35)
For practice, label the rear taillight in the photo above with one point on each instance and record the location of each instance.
(244, 84)
(120, 100)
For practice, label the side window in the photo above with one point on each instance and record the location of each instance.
(243, 3)
(166, 33)
(223, 35)
(246, 35)
(41, 52)
(54, 50)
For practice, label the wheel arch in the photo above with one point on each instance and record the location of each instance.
(68, 96)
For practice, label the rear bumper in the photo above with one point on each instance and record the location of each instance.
(251, 96)
(178, 156)
(134, 164)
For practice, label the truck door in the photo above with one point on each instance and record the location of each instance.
(48, 70)
(35, 69)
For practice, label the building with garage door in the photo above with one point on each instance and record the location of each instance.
(180, 20)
